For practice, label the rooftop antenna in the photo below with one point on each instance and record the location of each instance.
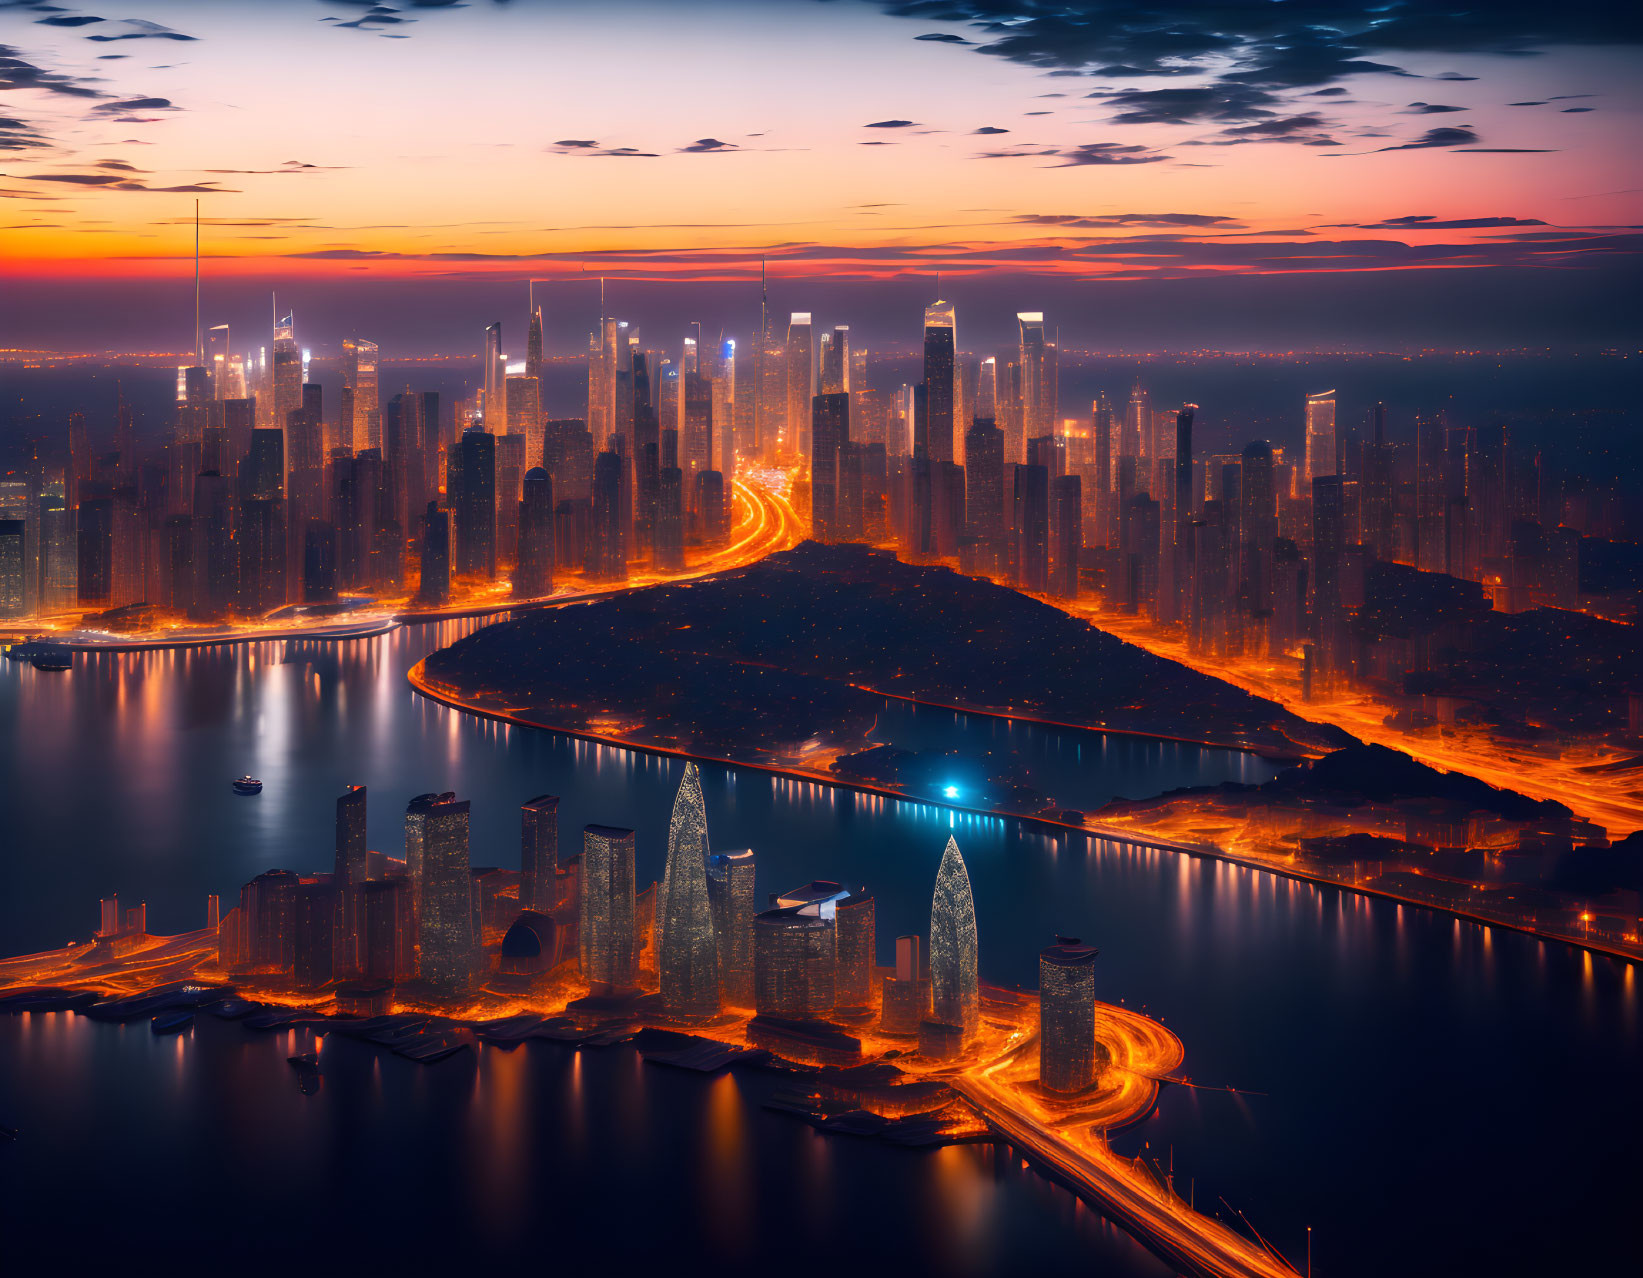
(199, 340)
(601, 300)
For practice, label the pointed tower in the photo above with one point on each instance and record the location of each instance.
(954, 980)
(687, 957)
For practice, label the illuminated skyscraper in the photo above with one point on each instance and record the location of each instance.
(287, 372)
(856, 918)
(730, 891)
(801, 384)
(835, 361)
(495, 373)
(12, 552)
(609, 940)
(435, 584)
(1066, 1016)
(954, 971)
(445, 911)
(359, 375)
(533, 351)
(524, 404)
(687, 958)
(1037, 402)
(939, 423)
(218, 360)
(1320, 437)
(795, 956)
(538, 853)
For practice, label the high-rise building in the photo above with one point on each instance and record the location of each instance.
(801, 384)
(795, 957)
(835, 361)
(533, 356)
(1320, 437)
(609, 935)
(12, 555)
(447, 929)
(533, 578)
(434, 586)
(538, 853)
(1037, 392)
(939, 422)
(475, 505)
(416, 843)
(856, 918)
(687, 957)
(495, 373)
(607, 538)
(730, 891)
(1066, 1016)
(359, 375)
(829, 433)
(349, 869)
(955, 996)
(287, 373)
(1032, 527)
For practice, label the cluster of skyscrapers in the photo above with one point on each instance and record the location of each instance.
(434, 927)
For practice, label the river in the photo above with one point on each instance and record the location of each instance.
(1430, 1096)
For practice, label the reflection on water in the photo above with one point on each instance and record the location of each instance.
(1410, 1086)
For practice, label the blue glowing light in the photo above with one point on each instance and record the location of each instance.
(951, 792)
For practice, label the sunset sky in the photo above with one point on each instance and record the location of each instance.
(341, 149)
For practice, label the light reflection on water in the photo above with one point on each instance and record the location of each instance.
(1331, 1011)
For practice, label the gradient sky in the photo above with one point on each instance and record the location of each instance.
(348, 146)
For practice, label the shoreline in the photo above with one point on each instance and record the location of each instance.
(765, 512)
(415, 677)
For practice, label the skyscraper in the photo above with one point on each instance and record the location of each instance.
(795, 956)
(476, 505)
(1066, 1016)
(435, 584)
(830, 432)
(349, 870)
(730, 878)
(446, 922)
(940, 421)
(359, 375)
(538, 853)
(533, 577)
(801, 384)
(533, 352)
(856, 918)
(687, 958)
(287, 372)
(609, 939)
(495, 373)
(1320, 437)
(1037, 398)
(954, 972)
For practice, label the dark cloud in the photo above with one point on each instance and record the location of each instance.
(1126, 219)
(1448, 135)
(942, 37)
(1107, 153)
(587, 144)
(135, 104)
(1577, 110)
(987, 129)
(891, 124)
(1539, 102)
(1430, 222)
(1187, 106)
(68, 20)
(1431, 108)
(708, 145)
(1454, 77)
(1506, 150)
(142, 30)
(18, 73)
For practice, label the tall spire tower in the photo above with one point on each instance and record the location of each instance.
(687, 958)
(955, 997)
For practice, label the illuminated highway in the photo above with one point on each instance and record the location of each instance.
(1587, 777)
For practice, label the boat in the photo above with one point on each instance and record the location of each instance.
(173, 1022)
(246, 785)
(51, 657)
